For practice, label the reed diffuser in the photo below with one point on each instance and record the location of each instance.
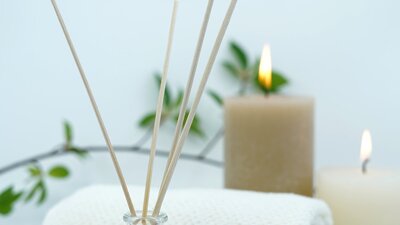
(182, 127)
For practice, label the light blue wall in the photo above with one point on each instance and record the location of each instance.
(345, 53)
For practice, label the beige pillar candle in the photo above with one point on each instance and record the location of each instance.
(269, 144)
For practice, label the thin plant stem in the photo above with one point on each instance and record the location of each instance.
(143, 139)
(213, 141)
(58, 152)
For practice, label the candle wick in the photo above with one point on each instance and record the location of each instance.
(267, 93)
(364, 166)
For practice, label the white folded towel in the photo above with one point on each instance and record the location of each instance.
(105, 205)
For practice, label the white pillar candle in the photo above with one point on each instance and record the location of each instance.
(361, 198)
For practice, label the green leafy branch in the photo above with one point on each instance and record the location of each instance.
(171, 111)
(36, 189)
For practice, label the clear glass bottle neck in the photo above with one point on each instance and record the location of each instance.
(148, 220)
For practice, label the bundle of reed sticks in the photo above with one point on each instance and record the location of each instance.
(182, 126)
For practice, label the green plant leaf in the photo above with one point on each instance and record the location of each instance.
(196, 124)
(68, 133)
(81, 153)
(5, 208)
(147, 120)
(167, 92)
(196, 120)
(278, 81)
(8, 198)
(59, 172)
(231, 68)
(256, 68)
(197, 130)
(43, 193)
(39, 189)
(239, 54)
(179, 99)
(34, 171)
(216, 97)
(32, 192)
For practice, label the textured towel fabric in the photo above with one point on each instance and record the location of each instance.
(105, 205)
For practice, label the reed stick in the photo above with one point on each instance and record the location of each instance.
(192, 113)
(160, 104)
(96, 109)
(189, 84)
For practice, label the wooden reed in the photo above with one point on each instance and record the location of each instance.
(96, 110)
(160, 105)
(192, 113)
(189, 84)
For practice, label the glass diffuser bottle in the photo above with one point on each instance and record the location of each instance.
(148, 220)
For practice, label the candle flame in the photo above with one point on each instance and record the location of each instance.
(265, 72)
(366, 146)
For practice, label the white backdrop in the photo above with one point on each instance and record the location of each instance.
(344, 53)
